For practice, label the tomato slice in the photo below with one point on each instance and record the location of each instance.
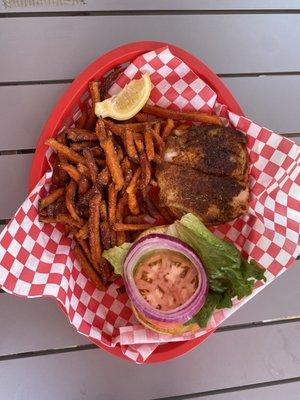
(166, 279)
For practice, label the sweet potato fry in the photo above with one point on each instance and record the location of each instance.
(83, 185)
(118, 227)
(107, 81)
(72, 171)
(105, 234)
(80, 135)
(98, 268)
(160, 145)
(100, 163)
(182, 127)
(83, 232)
(81, 122)
(62, 219)
(97, 152)
(168, 129)
(65, 151)
(142, 117)
(79, 146)
(139, 219)
(119, 129)
(127, 171)
(91, 119)
(70, 195)
(85, 247)
(152, 210)
(103, 178)
(112, 161)
(145, 165)
(120, 153)
(51, 198)
(91, 163)
(112, 203)
(101, 130)
(83, 169)
(133, 185)
(53, 209)
(182, 115)
(120, 237)
(84, 200)
(103, 210)
(59, 177)
(120, 215)
(87, 268)
(103, 270)
(149, 145)
(128, 139)
(94, 90)
(133, 204)
(94, 228)
(166, 214)
(113, 238)
(62, 137)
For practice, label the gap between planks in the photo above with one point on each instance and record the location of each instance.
(232, 389)
(47, 14)
(68, 349)
(224, 75)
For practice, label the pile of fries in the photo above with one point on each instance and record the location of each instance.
(104, 180)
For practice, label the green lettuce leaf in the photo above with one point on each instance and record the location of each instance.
(204, 315)
(116, 256)
(228, 274)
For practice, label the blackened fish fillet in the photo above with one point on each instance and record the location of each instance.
(211, 149)
(205, 172)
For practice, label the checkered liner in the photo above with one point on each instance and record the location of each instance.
(36, 259)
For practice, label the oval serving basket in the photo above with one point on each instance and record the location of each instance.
(67, 111)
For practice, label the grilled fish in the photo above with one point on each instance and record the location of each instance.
(205, 172)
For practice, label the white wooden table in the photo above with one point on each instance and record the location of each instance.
(254, 46)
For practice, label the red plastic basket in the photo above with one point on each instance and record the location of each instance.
(74, 98)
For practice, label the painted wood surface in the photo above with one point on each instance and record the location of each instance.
(225, 360)
(252, 45)
(59, 48)
(166, 5)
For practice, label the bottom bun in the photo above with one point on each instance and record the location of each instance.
(164, 327)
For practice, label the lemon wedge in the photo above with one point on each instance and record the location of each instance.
(128, 102)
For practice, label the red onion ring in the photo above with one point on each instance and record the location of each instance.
(164, 242)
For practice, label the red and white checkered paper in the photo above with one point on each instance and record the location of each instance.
(36, 259)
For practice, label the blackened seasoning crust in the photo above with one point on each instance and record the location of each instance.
(206, 172)
(211, 149)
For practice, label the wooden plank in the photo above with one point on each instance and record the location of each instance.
(289, 391)
(226, 359)
(45, 327)
(22, 124)
(116, 5)
(271, 101)
(258, 96)
(13, 182)
(34, 324)
(54, 52)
